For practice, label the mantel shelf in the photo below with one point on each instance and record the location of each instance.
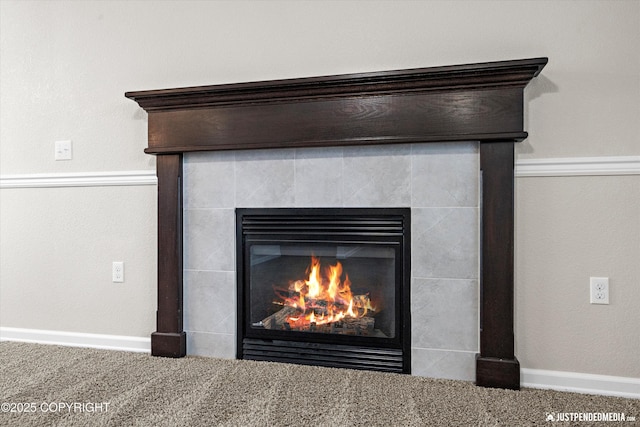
(471, 76)
(474, 102)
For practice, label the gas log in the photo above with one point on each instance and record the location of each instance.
(294, 319)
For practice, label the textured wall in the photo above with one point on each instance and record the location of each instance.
(569, 229)
(65, 65)
(57, 249)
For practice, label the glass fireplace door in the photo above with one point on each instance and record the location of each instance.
(323, 289)
(325, 286)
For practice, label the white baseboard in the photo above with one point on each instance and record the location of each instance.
(79, 179)
(532, 378)
(581, 383)
(76, 339)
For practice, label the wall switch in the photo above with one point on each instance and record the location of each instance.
(117, 272)
(599, 290)
(63, 150)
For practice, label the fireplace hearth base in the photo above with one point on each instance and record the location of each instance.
(496, 372)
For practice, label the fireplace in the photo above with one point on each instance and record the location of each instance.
(325, 287)
(483, 103)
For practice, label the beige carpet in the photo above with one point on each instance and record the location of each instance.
(85, 387)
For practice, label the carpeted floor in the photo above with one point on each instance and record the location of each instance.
(50, 385)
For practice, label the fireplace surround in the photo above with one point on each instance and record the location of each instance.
(325, 286)
(474, 102)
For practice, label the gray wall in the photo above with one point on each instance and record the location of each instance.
(65, 65)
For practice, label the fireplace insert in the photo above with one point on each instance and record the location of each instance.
(325, 286)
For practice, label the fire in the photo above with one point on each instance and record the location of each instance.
(314, 281)
(323, 298)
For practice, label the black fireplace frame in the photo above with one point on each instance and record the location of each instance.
(481, 102)
(389, 227)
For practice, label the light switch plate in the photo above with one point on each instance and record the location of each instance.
(63, 150)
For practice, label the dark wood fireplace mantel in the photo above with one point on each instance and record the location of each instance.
(474, 102)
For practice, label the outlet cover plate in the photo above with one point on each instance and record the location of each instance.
(599, 290)
(117, 271)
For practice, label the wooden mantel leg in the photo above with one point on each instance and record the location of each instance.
(496, 365)
(169, 340)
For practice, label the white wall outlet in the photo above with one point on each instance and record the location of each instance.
(117, 271)
(63, 150)
(599, 290)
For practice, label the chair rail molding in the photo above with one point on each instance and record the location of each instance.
(79, 179)
(578, 166)
(524, 168)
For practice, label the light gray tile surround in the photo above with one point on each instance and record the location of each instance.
(438, 181)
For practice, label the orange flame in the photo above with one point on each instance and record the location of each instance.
(321, 300)
(314, 281)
